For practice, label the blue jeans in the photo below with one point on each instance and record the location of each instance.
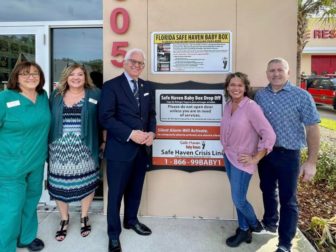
(278, 173)
(239, 182)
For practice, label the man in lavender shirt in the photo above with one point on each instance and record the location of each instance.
(246, 136)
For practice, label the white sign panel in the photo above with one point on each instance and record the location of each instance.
(199, 52)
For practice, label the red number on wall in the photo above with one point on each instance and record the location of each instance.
(118, 51)
(114, 20)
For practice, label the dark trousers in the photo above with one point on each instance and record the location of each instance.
(124, 178)
(278, 173)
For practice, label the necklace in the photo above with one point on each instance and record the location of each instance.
(75, 94)
(72, 98)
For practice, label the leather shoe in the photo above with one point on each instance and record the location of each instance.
(114, 246)
(139, 228)
(239, 237)
(36, 245)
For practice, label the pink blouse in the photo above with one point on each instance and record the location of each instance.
(246, 131)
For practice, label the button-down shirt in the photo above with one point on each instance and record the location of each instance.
(129, 79)
(131, 85)
(246, 131)
(288, 111)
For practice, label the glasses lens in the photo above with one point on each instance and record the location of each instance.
(136, 63)
(26, 75)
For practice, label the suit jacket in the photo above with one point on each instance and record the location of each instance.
(119, 114)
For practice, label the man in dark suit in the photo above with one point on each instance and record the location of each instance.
(127, 113)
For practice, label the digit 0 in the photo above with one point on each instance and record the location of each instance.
(114, 20)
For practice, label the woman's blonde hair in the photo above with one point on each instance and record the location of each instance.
(63, 85)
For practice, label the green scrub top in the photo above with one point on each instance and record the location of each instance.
(24, 128)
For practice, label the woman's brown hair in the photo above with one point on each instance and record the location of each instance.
(24, 67)
(244, 79)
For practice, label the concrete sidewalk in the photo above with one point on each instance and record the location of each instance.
(169, 234)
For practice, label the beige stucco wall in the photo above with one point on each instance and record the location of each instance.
(317, 46)
(317, 24)
(260, 32)
(306, 64)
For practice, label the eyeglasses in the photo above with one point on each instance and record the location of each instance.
(26, 75)
(136, 63)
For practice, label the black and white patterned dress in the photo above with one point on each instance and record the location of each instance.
(73, 174)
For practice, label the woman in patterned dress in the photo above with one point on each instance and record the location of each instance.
(73, 145)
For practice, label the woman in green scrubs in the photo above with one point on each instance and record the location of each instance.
(24, 126)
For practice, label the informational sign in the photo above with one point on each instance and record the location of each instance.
(199, 52)
(188, 153)
(188, 128)
(190, 107)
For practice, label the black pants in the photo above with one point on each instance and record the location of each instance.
(125, 178)
(278, 173)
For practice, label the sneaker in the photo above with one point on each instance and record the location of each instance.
(258, 228)
(262, 229)
(282, 249)
(271, 230)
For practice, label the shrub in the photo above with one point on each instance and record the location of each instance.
(326, 164)
(325, 229)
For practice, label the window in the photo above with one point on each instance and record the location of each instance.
(83, 46)
(50, 10)
(13, 49)
(333, 81)
(78, 45)
(325, 84)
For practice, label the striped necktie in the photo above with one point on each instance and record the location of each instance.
(136, 91)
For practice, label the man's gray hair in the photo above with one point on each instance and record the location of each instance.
(134, 50)
(279, 60)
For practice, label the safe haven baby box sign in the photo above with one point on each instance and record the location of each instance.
(187, 136)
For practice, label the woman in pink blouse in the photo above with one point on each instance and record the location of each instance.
(247, 137)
